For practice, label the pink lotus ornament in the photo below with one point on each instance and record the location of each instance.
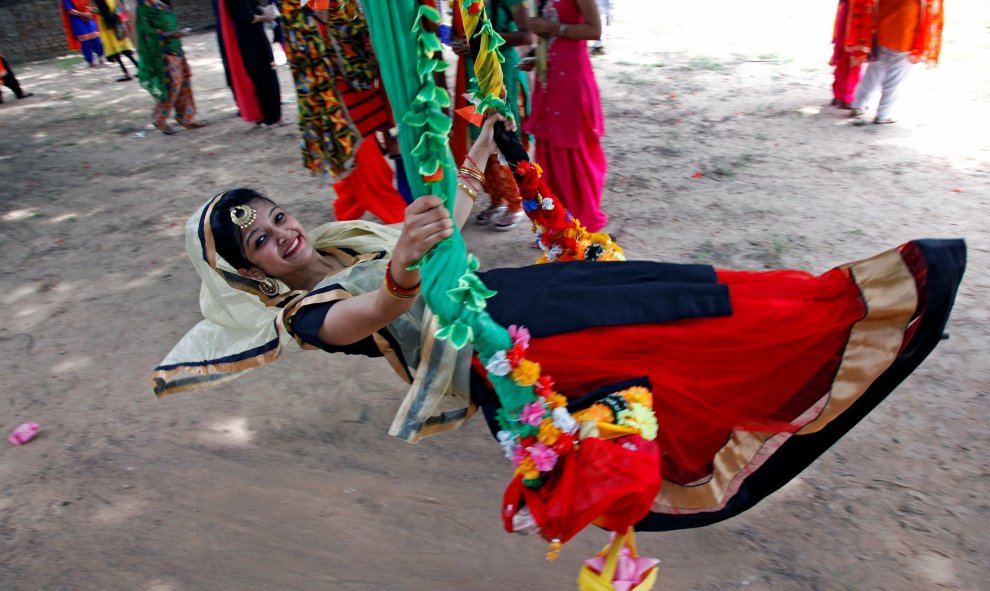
(631, 572)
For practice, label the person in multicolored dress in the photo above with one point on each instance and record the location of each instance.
(341, 105)
(163, 70)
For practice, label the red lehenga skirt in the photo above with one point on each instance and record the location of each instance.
(754, 374)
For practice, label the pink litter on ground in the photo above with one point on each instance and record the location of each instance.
(23, 433)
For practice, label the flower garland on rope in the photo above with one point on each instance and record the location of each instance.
(543, 430)
(559, 234)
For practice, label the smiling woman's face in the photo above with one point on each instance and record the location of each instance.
(276, 242)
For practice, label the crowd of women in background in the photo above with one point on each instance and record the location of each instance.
(101, 30)
(344, 119)
(549, 80)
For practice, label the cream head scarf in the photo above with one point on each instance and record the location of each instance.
(241, 327)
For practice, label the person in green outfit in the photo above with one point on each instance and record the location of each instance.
(162, 69)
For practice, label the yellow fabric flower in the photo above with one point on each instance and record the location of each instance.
(527, 468)
(556, 400)
(526, 373)
(638, 395)
(549, 433)
(641, 417)
(597, 413)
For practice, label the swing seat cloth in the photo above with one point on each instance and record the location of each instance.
(750, 385)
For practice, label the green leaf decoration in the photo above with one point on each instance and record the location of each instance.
(470, 292)
(430, 42)
(457, 332)
(428, 12)
(430, 144)
(428, 167)
(439, 122)
(495, 41)
(415, 119)
(426, 66)
(432, 95)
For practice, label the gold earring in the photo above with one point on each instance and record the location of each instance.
(268, 286)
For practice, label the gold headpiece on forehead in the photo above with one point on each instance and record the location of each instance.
(242, 215)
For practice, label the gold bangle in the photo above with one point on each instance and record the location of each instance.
(465, 171)
(469, 182)
(472, 173)
(470, 192)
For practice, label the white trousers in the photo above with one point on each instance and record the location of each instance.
(604, 14)
(886, 76)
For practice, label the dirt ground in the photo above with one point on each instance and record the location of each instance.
(286, 479)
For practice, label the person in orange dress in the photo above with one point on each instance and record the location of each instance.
(893, 35)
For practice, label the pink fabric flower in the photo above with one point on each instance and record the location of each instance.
(520, 336)
(544, 458)
(533, 414)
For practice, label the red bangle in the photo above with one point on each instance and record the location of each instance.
(471, 160)
(394, 289)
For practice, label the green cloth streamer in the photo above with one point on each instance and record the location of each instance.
(154, 18)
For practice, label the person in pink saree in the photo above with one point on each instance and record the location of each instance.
(566, 118)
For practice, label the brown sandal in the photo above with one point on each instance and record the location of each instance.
(165, 128)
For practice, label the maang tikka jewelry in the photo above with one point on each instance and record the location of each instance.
(242, 215)
(268, 286)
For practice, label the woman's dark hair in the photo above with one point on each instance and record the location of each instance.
(227, 234)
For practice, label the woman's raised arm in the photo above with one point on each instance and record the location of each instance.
(427, 222)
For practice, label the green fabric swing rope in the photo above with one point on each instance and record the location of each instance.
(407, 56)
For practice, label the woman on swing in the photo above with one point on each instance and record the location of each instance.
(753, 374)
